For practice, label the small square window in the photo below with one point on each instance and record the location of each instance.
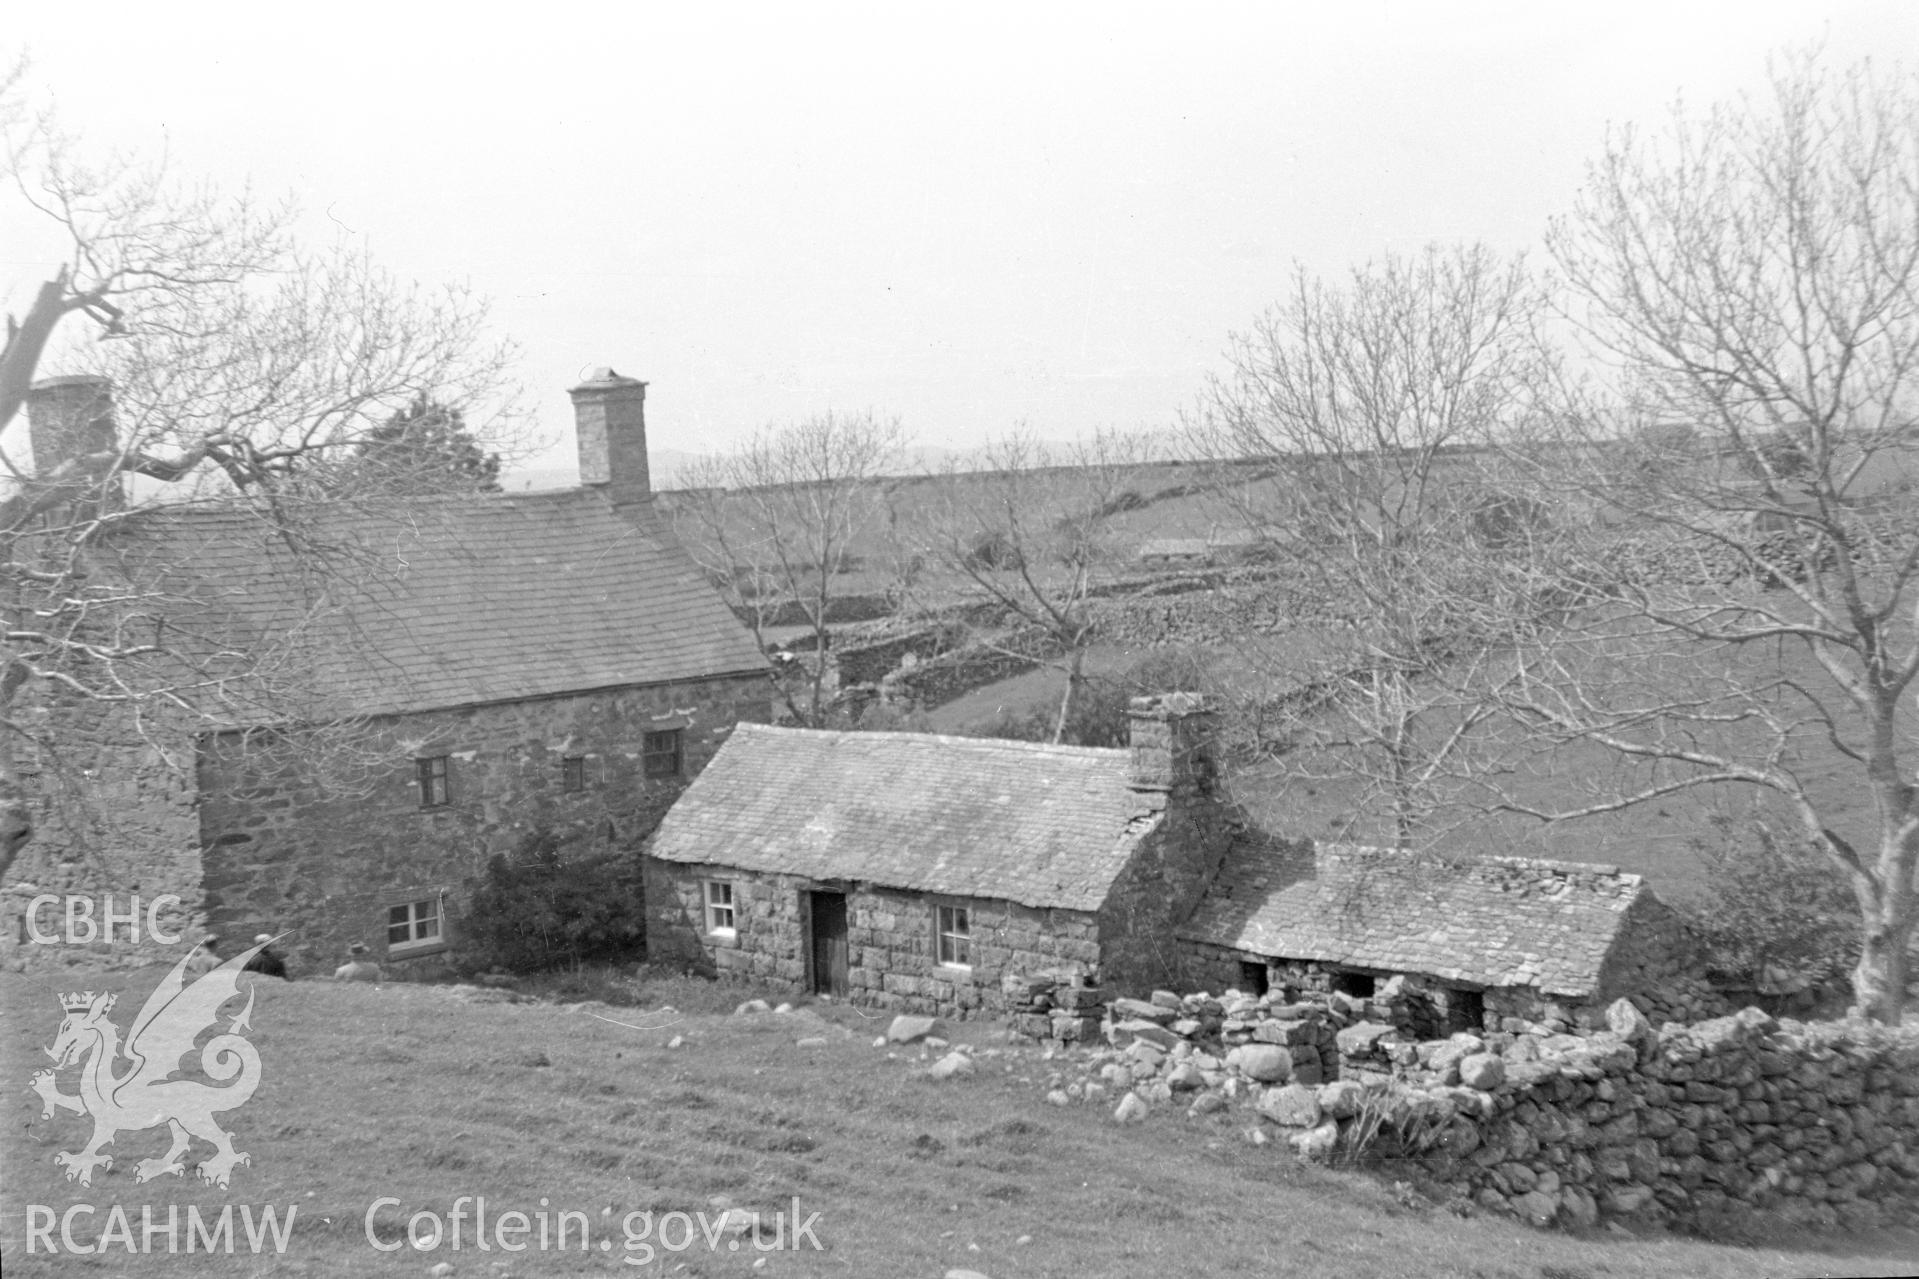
(955, 935)
(660, 753)
(432, 774)
(719, 906)
(573, 773)
(413, 924)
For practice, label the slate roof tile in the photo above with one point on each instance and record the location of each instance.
(1045, 826)
(1504, 921)
(455, 601)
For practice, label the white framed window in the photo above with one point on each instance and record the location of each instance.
(412, 925)
(953, 930)
(719, 906)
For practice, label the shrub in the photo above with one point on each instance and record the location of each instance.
(536, 910)
(1774, 905)
(994, 549)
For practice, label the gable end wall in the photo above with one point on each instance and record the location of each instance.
(286, 854)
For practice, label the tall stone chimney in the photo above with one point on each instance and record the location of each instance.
(609, 420)
(1174, 747)
(72, 417)
(69, 417)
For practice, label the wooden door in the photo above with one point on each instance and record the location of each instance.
(829, 944)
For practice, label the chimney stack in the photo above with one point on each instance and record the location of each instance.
(69, 417)
(609, 421)
(1174, 751)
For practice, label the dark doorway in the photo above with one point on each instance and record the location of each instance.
(1465, 1010)
(1253, 973)
(1358, 985)
(829, 944)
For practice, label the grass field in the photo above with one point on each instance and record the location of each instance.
(408, 1093)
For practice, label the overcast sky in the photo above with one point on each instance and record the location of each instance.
(969, 216)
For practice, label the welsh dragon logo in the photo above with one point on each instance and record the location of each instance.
(145, 1094)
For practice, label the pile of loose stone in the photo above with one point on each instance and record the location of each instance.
(1056, 1006)
(1693, 1125)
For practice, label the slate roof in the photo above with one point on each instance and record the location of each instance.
(1044, 826)
(1504, 921)
(449, 601)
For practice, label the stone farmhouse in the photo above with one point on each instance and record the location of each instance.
(916, 871)
(532, 661)
(1488, 938)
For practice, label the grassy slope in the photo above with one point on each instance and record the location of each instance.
(406, 1092)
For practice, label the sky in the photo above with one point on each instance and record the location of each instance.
(970, 216)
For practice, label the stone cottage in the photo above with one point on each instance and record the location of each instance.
(509, 663)
(1475, 940)
(916, 871)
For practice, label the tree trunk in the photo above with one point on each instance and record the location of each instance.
(1071, 697)
(1879, 980)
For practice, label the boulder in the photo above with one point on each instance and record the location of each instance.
(1265, 1063)
(1483, 1071)
(953, 1063)
(1292, 1106)
(1362, 1038)
(1316, 1144)
(1579, 1207)
(751, 1007)
(1131, 1109)
(1341, 1098)
(1129, 1008)
(1150, 1031)
(1624, 1201)
(1288, 1033)
(1461, 1137)
(1539, 1209)
(905, 1029)
(1206, 1103)
(1624, 1019)
(1186, 1077)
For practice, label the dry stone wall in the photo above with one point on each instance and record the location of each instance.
(1712, 1126)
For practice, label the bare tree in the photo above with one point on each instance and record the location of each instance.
(231, 354)
(1753, 275)
(779, 523)
(1025, 528)
(1366, 410)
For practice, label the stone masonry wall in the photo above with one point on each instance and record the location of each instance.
(113, 819)
(1712, 1126)
(890, 939)
(1182, 838)
(284, 853)
(1727, 1123)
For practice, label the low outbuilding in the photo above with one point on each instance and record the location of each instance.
(917, 871)
(1476, 940)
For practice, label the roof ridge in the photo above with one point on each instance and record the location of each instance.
(1600, 869)
(949, 739)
